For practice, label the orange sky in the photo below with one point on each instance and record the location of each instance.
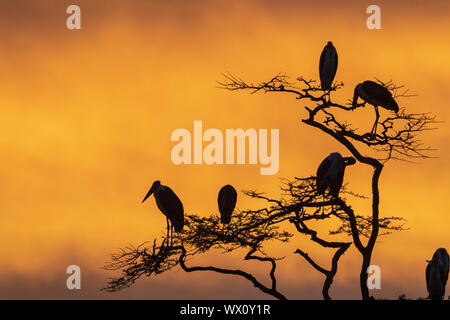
(87, 115)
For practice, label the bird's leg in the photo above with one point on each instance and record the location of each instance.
(167, 220)
(171, 234)
(323, 207)
(374, 129)
(332, 197)
(329, 96)
(229, 226)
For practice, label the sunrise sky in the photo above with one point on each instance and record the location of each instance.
(86, 118)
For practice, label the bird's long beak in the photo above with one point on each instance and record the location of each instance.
(149, 193)
(355, 98)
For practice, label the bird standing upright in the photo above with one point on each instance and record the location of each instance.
(330, 173)
(328, 66)
(437, 274)
(377, 95)
(227, 201)
(169, 204)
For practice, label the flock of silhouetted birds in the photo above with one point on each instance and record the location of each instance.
(330, 174)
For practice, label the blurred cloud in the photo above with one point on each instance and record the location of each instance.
(86, 119)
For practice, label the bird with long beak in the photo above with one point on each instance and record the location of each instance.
(330, 174)
(169, 204)
(377, 95)
(437, 274)
(328, 64)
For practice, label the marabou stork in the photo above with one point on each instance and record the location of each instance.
(169, 204)
(377, 95)
(330, 173)
(437, 274)
(227, 201)
(328, 66)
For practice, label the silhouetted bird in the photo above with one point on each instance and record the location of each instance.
(328, 66)
(437, 274)
(169, 204)
(376, 95)
(227, 201)
(330, 173)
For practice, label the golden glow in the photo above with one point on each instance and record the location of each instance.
(86, 119)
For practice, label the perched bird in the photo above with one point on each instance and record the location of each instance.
(328, 66)
(227, 201)
(169, 204)
(437, 274)
(377, 95)
(330, 173)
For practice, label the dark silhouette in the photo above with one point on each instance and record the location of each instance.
(302, 202)
(437, 274)
(226, 201)
(247, 231)
(328, 66)
(330, 173)
(169, 204)
(397, 141)
(377, 95)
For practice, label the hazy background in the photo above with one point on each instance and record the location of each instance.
(86, 118)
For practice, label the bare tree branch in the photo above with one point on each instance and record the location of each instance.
(300, 204)
(398, 140)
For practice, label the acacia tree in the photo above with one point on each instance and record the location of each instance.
(300, 204)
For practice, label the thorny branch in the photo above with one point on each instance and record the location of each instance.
(201, 234)
(248, 230)
(398, 138)
(300, 204)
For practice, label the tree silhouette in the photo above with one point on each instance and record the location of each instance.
(300, 203)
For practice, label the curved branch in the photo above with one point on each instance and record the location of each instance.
(353, 225)
(250, 256)
(311, 261)
(270, 291)
(329, 274)
(392, 140)
(344, 141)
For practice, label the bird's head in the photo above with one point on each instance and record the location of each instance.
(329, 43)
(394, 106)
(356, 95)
(441, 253)
(155, 185)
(435, 260)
